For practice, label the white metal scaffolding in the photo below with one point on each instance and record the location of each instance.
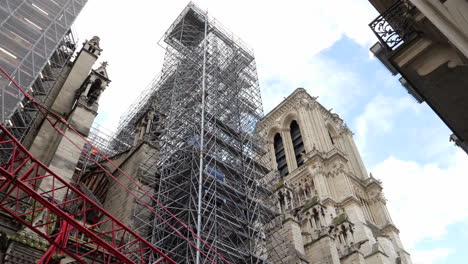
(207, 166)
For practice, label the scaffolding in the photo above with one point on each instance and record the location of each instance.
(66, 219)
(208, 168)
(36, 47)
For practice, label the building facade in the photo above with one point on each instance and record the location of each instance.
(426, 43)
(332, 211)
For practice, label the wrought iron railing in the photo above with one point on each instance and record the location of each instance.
(395, 26)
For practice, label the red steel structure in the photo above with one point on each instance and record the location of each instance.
(107, 241)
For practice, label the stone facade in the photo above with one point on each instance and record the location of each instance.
(75, 99)
(77, 102)
(332, 211)
(119, 202)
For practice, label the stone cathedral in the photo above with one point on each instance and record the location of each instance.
(332, 211)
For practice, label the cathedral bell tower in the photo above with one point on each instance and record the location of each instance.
(332, 211)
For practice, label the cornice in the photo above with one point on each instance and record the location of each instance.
(321, 236)
(376, 252)
(296, 173)
(350, 253)
(349, 199)
(366, 183)
(329, 201)
(331, 155)
(338, 154)
(390, 228)
(289, 219)
(371, 181)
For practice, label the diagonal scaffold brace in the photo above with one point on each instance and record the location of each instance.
(107, 241)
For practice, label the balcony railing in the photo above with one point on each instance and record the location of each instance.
(395, 26)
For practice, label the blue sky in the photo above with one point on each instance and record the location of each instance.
(412, 125)
(396, 135)
(322, 46)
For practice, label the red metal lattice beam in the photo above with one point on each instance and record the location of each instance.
(107, 241)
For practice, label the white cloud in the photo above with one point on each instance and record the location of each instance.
(379, 116)
(430, 256)
(326, 78)
(424, 199)
(284, 35)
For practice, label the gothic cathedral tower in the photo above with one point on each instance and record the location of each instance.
(332, 211)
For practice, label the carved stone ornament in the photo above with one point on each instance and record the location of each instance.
(95, 40)
(103, 66)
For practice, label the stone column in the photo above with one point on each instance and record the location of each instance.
(317, 128)
(308, 137)
(305, 126)
(288, 149)
(88, 86)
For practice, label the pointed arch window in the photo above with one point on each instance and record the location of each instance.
(298, 145)
(280, 156)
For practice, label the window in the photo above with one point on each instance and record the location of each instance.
(331, 138)
(298, 145)
(280, 156)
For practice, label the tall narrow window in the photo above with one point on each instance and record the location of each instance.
(280, 156)
(331, 138)
(298, 145)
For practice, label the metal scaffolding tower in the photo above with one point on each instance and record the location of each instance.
(200, 115)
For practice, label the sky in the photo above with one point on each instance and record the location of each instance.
(322, 46)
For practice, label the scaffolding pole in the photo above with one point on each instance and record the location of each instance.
(202, 132)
